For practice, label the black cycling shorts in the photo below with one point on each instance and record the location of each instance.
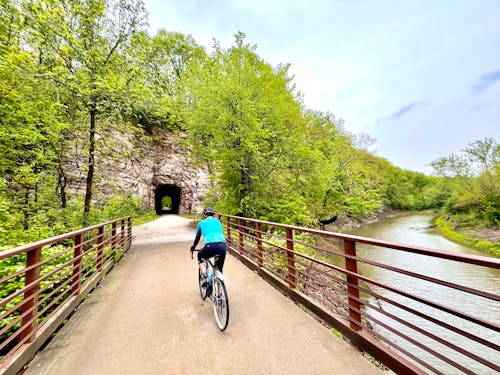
(212, 249)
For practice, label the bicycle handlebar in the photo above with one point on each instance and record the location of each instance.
(192, 251)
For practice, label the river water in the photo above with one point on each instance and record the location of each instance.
(416, 230)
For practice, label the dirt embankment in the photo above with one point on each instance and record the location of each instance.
(491, 234)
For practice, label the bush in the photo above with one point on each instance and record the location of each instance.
(120, 206)
(491, 210)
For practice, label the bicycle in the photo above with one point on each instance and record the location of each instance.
(215, 289)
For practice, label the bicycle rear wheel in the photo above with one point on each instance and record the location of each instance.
(220, 303)
(203, 288)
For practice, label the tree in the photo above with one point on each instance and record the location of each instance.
(473, 173)
(80, 44)
(158, 64)
(30, 124)
(240, 116)
(483, 153)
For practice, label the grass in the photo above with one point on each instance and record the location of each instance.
(337, 333)
(447, 230)
(146, 218)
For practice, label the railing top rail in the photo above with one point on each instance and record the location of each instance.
(479, 260)
(34, 245)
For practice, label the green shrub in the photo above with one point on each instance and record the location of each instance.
(120, 206)
(491, 210)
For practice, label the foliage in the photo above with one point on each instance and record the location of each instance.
(76, 77)
(146, 218)
(449, 230)
(272, 158)
(239, 115)
(474, 183)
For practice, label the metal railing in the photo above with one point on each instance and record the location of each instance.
(42, 283)
(404, 315)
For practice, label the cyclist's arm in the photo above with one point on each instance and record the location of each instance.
(198, 236)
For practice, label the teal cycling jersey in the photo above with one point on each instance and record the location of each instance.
(211, 229)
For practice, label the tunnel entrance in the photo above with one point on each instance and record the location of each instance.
(167, 199)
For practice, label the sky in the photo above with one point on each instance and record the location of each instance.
(422, 77)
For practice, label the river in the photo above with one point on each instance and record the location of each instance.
(416, 229)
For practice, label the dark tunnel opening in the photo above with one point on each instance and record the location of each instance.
(167, 199)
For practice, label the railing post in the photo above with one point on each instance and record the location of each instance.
(100, 238)
(260, 255)
(113, 237)
(240, 231)
(353, 286)
(291, 259)
(30, 307)
(129, 238)
(77, 265)
(228, 230)
(122, 235)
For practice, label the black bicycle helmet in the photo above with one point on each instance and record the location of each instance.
(209, 211)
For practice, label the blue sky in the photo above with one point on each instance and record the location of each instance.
(422, 77)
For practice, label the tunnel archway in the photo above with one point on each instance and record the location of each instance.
(167, 199)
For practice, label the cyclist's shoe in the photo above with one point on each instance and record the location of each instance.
(209, 291)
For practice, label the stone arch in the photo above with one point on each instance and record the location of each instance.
(171, 191)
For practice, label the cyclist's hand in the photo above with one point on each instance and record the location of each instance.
(192, 251)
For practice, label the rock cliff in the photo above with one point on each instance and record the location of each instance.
(152, 167)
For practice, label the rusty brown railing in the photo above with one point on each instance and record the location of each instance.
(43, 283)
(405, 316)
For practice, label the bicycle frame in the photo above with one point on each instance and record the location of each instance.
(217, 290)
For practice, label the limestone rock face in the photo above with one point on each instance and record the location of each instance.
(153, 168)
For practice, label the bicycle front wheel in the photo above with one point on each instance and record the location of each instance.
(220, 304)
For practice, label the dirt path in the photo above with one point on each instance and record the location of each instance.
(147, 318)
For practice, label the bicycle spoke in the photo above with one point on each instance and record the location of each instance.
(220, 304)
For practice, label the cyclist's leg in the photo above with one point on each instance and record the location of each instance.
(204, 253)
(221, 251)
(208, 251)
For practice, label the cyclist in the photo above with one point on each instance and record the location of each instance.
(215, 242)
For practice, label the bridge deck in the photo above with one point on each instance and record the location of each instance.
(147, 318)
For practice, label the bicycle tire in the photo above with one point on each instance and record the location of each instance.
(220, 303)
(203, 289)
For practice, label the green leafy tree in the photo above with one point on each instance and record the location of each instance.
(473, 175)
(241, 115)
(81, 46)
(157, 65)
(30, 124)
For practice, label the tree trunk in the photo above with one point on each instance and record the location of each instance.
(63, 181)
(90, 172)
(25, 209)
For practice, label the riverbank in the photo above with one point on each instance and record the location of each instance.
(344, 222)
(483, 238)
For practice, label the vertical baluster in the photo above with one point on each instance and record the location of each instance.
(353, 287)
(30, 306)
(260, 255)
(240, 231)
(77, 265)
(129, 238)
(122, 235)
(113, 238)
(292, 279)
(100, 238)
(228, 231)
